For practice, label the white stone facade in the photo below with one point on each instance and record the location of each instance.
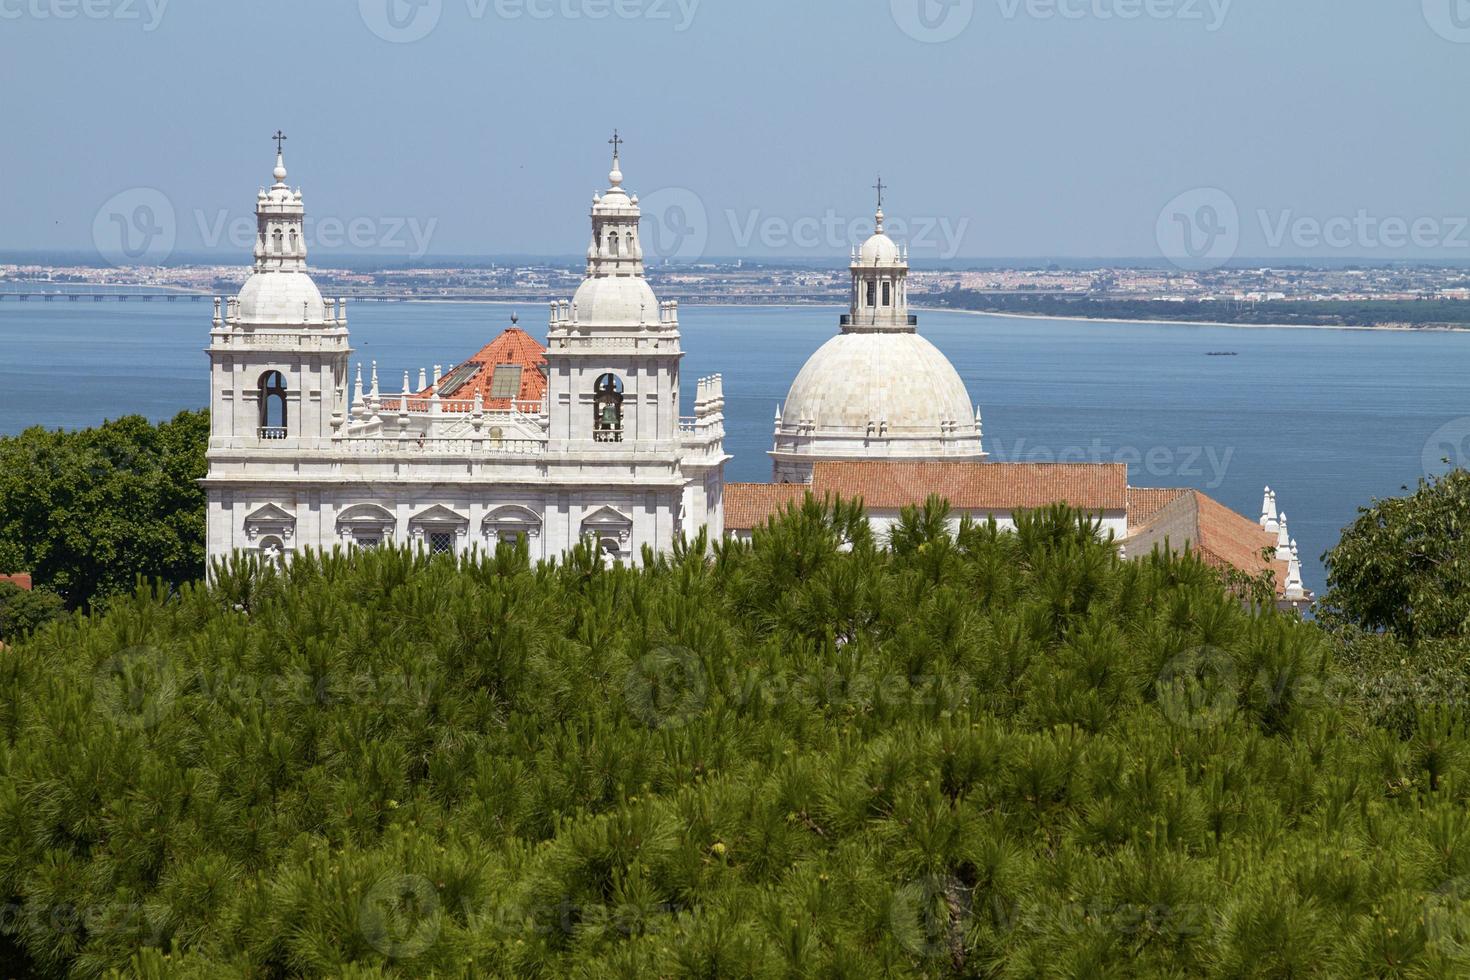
(295, 464)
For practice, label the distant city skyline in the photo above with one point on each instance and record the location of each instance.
(1196, 132)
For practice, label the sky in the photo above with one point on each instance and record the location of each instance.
(1197, 131)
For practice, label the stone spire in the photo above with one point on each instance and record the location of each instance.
(615, 249)
(1269, 522)
(280, 241)
(880, 295)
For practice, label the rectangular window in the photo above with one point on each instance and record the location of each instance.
(887, 294)
(369, 542)
(506, 382)
(510, 537)
(872, 294)
(441, 543)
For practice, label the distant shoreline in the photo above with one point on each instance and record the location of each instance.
(1396, 327)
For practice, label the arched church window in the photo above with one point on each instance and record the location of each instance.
(276, 239)
(607, 404)
(272, 405)
(612, 243)
(294, 246)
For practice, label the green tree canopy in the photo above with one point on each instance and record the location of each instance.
(1404, 564)
(87, 512)
(23, 611)
(988, 754)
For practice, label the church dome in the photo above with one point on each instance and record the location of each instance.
(896, 380)
(616, 301)
(281, 297)
(879, 250)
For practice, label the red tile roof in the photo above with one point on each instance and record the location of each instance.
(513, 347)
(1188, 518)
(22, 579)
(891, 485)
(976, 486)
(749, 505)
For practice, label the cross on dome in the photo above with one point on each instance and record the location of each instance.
(616, 177)
(879, 187)
(280, 171)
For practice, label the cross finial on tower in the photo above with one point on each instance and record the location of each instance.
(280, 138)
(879, 187)
(617, 141)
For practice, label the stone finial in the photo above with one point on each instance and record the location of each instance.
(1268, 512)
(1283, 540)
(1295, 588)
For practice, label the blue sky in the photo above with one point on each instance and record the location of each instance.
(1041, 128)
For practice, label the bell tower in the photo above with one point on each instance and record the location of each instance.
(613, 350)
(278, 352)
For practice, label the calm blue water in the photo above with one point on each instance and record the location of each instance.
(1329, 418)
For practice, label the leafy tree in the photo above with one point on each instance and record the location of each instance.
(23, 611)
(1404, 564)
(88, 512)
(972, 753)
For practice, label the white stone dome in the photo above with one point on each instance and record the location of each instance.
(896, 378)
(281, 297)
(879, 250)
(616, 301)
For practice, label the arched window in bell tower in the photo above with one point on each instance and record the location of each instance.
(612, 244)
(607, 405)
(272, 399)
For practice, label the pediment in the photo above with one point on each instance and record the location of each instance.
(270, 514)
(512, 516)
(439, 514)
(365, 514)
(607, 517)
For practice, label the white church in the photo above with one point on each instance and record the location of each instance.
(581, 439)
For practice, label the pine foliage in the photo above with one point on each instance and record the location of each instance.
(971, 753)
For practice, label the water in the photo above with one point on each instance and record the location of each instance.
(1329, 418)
